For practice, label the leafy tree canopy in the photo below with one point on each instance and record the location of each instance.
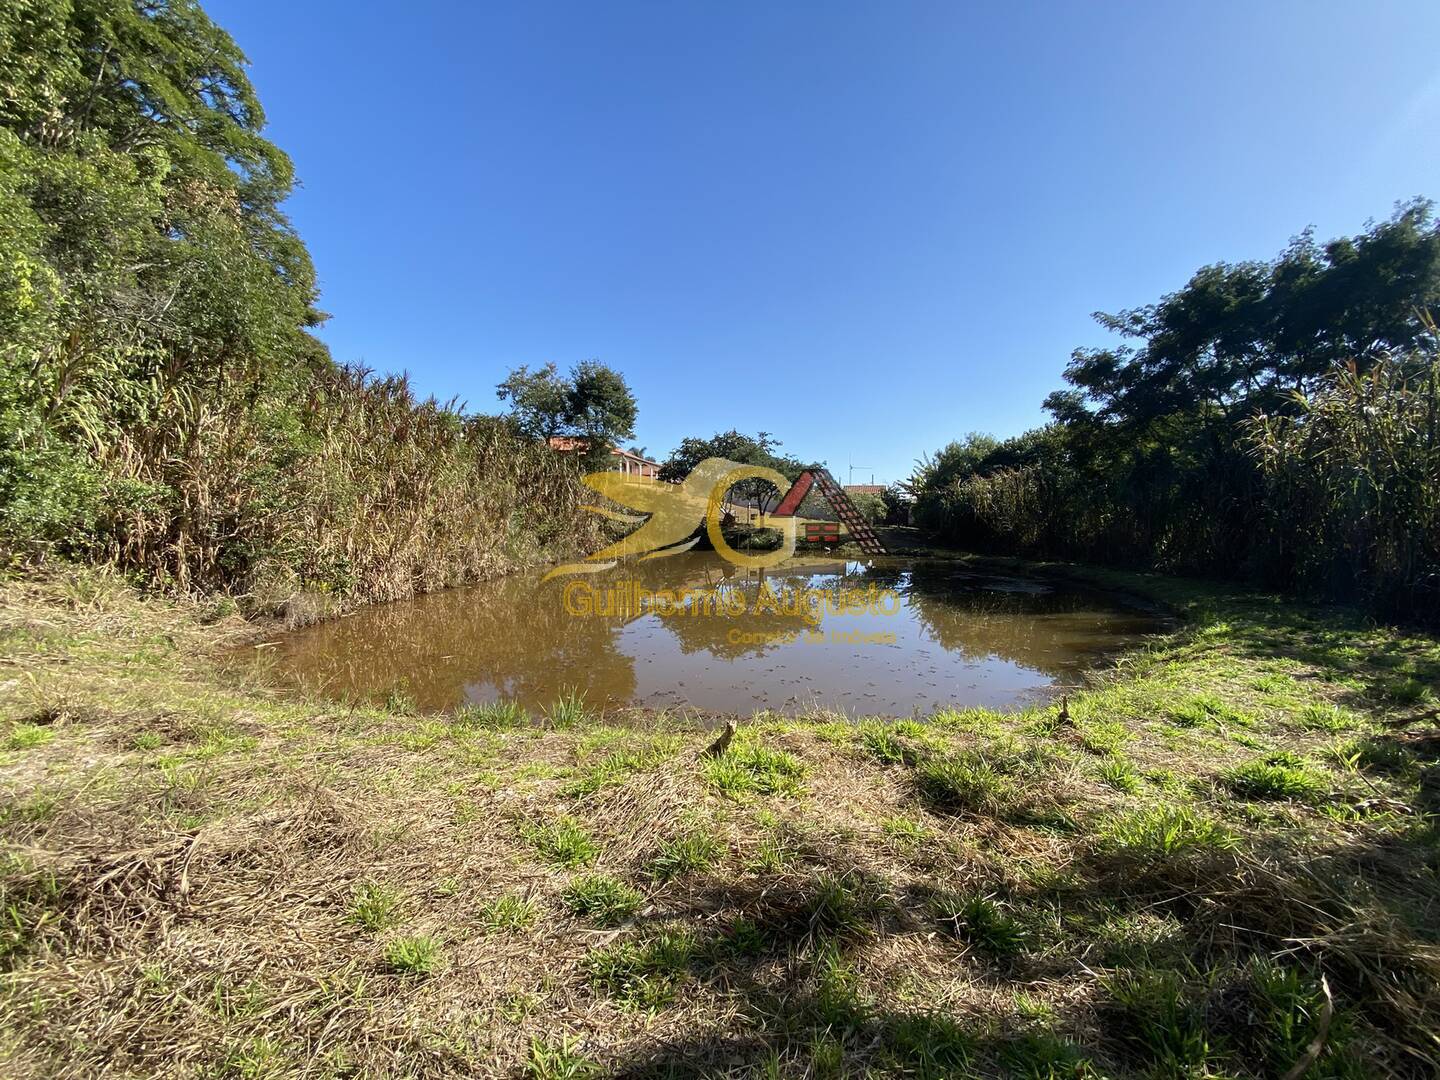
(759, 449)
(593, 402)
(1245, 336)
(144, 257)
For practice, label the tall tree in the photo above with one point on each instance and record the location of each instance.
(1243, 337)
(592, 403)
(743, 449)
(144, 256)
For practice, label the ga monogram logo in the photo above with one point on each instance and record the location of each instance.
(670, 514)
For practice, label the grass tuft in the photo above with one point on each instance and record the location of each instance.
(509, 912)
(495, 716)
(964, 782)
(981, 921)
(563, 841)
(560, 1060)
(374, 905)
(1164, 830)
(882, 742)
(1274, 777)
(749, 767)
(416, 954)
(1117, 772)
(24, 735)
(568, 711)
(602, 899)
(690, 852)
(643, 974)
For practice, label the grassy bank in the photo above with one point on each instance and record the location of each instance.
(1222, 856)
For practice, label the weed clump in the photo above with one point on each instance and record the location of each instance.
(509, 912)
(981, 921)
(643, 974)
(568, 711)
(495, 716)
(882, 742)
(561, 1060)
(1278, 776)
(747, 767)
(601, 898)
(964, 782)
(1119, 774)
(373, 905)
(24, 735)
(416, 955)
(690, 852)
(563, 841)
(1164, 830)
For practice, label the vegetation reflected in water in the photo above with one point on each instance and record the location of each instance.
(959, 637)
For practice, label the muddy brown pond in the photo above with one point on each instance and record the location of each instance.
(886, 637)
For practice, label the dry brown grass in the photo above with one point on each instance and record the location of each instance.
(184, 852)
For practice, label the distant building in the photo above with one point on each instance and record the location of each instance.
(620, 460)
(864, 489)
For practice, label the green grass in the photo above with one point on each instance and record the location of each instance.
(882, 742)
(645, 974)
(747, 767)
(564, 841)
(905, 831)
(645, 753)
(1119, 774)
(559, 1060)
(772, 855)
(1326, 717)
(399, 702)
(687, 853)
(601, 899)
(568, 710)
(929, 1044)
(374, 905)
(415, 954)
(1208, 710)
(1277, 776)
(1408, 691)
(981, 921)
(509, 912)
(24, 735)
(967, 781)
(1044, 1056)
(1166, 829)
(496, 716)
(1152, 1013)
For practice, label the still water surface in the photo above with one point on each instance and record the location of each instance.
(920, 633)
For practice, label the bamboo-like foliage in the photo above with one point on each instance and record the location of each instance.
(1338, 496)
(359, 489)
(1353, 487)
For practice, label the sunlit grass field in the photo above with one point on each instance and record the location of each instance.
(1220, 859)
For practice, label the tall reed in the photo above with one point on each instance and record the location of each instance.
(352, 487)
(1352, 496)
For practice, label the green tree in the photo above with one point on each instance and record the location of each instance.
(146, 268)
(1243, 337)
(951, 462)
(759, 449)
(592, 403)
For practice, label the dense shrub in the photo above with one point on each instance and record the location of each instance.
(1277, 423)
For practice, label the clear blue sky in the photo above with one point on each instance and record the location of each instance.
(867, 228)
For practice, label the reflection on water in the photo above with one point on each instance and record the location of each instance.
(955, 637)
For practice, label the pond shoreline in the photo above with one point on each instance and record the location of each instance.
(284, 886)
(885, 636)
